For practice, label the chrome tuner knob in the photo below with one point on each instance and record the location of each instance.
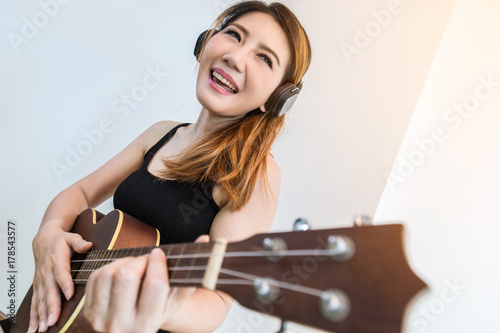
(341, 247)
(266, 290)
(301, 224)
(274, 248)
(334, 305)
(362, 220)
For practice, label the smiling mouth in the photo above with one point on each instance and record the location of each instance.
(223, 83)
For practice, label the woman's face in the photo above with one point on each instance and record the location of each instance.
(242, 65)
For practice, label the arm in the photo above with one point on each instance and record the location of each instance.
(53, 244)
(211, 307)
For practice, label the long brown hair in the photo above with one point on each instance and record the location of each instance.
(234, 156)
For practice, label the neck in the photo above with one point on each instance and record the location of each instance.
(208, 122)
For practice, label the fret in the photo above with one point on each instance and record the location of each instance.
(87, 266)
(108, 257)
(178, 260)
(126, 253)
(170, 247)
(80, 275)
(193, 261)
(92, 264)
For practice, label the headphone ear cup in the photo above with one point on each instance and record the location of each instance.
(200, 41)
(282, 99)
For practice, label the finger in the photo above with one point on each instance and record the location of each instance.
(124, 292)
(63, 278)
(202, 239)
(97, 293)
(77, 243)
(41, 305)
(33, 311)
(62, 267)
(154, 290)
(53, 300)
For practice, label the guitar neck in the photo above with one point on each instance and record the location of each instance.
(342, 280)
(188, 264)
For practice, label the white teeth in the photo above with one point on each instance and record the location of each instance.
(223, 80)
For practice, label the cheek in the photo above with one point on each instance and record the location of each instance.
(266, 83)
(215, 47)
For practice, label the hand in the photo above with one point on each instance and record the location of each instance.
(52, 249)
(133, 294)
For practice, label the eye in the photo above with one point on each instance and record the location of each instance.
(267, 60)
(234, 34)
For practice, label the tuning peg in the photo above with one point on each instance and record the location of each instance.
(301, 224)
(284, 327)
(362, 220)
(341, 247)
(266, 290)
(334, 305)
(274, 247)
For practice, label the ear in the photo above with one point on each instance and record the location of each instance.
(263, 108)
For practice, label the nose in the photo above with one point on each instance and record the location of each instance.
(236, 59)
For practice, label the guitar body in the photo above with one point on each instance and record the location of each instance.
(115, 230)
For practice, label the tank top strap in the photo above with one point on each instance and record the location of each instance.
(150, 153)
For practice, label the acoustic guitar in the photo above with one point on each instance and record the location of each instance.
(341, 280)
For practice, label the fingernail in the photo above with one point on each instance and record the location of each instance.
(67, 294)
(43, 325)
(51, 318)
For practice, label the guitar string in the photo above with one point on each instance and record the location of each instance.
(281, 253)
(281, 284)
(184, 268)
(245, 278)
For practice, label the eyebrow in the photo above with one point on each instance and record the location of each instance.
(262, 46)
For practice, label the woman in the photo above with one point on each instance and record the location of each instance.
(253, 53)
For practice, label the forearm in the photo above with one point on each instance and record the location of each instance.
(203, 311)
(64, 209)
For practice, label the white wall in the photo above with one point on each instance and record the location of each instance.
(341, 139)
(448, 196)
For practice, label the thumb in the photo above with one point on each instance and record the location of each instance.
(202, 239)
(78, 244)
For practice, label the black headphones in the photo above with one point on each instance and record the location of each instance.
(281, 99)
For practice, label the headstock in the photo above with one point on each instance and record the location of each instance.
(342, 280)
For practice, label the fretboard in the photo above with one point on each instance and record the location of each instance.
(187, 263)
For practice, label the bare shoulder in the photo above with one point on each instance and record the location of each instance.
(272, 175)
(155, 132)
(273, 169)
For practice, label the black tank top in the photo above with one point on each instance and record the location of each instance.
(180, 211)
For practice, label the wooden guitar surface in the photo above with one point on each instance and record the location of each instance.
(113, 231)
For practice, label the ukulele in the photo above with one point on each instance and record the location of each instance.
(341, 280)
